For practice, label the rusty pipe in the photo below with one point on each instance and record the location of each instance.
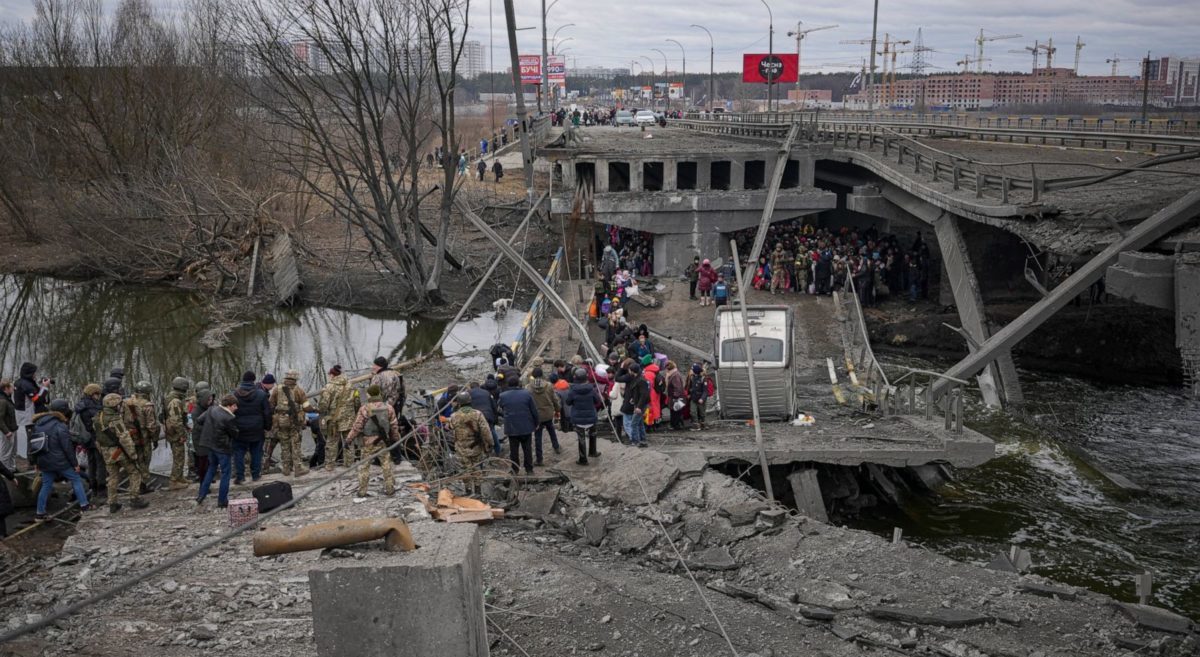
(335, 533)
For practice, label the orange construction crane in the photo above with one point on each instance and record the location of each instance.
(982, 39)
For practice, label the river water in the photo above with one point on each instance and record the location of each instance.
(77, 332)
(1042, 492)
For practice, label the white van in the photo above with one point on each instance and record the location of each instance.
(771, 340)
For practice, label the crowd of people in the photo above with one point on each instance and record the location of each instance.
(805, 259)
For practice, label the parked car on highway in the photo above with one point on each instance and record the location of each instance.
(624, 117)
(646, 117)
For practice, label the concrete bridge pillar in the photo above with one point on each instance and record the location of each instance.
(998, 382)
(601, 176)
(670, 175)
(1187, 318)
(704, 175)
(635, 175)
(737, 174)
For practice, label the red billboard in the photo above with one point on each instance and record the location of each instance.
(531, 69)
(780, 68)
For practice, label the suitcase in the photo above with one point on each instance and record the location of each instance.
(242, 511)
(272, 496)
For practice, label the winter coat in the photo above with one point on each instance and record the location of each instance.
(87, 409)
(8, 415)
(697, 387)
(220, 429)
(637, 393)
(253, 413)
(582, 399)
(484, 402)
(520, 412)
(199, 415)
(543, 395)
(707, 277)
(675, 385)
(59, 455)
(654, 410)
(27, 390)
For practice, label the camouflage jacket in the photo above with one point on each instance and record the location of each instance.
(370, 420)
(176, 419)
(287, 416)
(390, 383)
(471, 432)
(337, 403)
(111, 432)
(140, 419)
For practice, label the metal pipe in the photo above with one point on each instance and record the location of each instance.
(335, 533)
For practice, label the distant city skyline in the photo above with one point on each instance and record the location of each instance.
(613, 33)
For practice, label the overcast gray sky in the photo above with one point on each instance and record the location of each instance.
(613, 32)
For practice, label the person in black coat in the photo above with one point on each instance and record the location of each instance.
(520, 420)
(87, 408)
(253, 422)
(633, 405)
(31, 396)
(219, 435)
(57, 459)
(6, 503)
(483, 401)
(582, 400)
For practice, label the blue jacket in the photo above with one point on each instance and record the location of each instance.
(520, 412)
(484, 402)
(253, 413)
(60, 451)
(582, 399)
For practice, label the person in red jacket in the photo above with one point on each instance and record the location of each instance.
(706, 280)
(650, 374)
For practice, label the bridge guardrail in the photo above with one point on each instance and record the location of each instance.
(535, 318)
(1133, 125)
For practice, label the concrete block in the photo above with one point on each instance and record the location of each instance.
(807, 491)
(1187, 303)
(398, 604)
(1146, 263)
(1150, 289)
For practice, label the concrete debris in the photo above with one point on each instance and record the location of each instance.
(631, 538)
(1155, 618)
(1048, 591)
(830, 595)
(538, 504)
(595, 528)
(639, 468)
(713, 558)
(940, 617)
(1001, 563)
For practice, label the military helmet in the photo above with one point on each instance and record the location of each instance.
(179, 383)
(112, 400)
(202, 385)
(91, 389)
(463, 399)
(61, 406)
(143, 388)
(292, 375)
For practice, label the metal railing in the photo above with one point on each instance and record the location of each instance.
(906, 397)
(536, 316)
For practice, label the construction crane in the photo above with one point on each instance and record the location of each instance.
(890, 84)
(982, 39)
(1115, 60)
(1050, 50)
(1079, 44)
(800, 32)
(967, 60)
(1035, 49)
(861, 42)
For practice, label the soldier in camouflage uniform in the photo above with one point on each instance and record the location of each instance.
(141, 420)
(471, 437)
(287, 411)
(779, 261)
(390, 383)
(119, 452)
(373, 433)
(176, 429)
(337, 412)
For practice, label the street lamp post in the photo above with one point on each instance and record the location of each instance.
(770, 54)
(683, 54)
(555, 48)
(651, 72)
(712, 51)
(666, 74)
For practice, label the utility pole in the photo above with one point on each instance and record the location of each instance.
(545, 70)
(712, 53)
(683, 95)
(770, 55)
(871, 81)
(758, 439)
(510, 17)
(1145, 88)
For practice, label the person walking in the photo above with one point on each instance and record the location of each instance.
(697, 392)
(86, 409)
(371, 436)
(253, 415)
(220, 434)
(336, 409)
(56, 460)
(484, 401)
(634, 402)
(8, 427)
(706, 279)
(582, 399)
(548, 405)
(29, 398)
(287, 418)
(497, 169)
(520, 419)
(481, 169)
(200, 405)
(470, 429)
(120, 453)
(676, 391)
(141, 420)
(391, 384)
(175, 428)
(693, 275)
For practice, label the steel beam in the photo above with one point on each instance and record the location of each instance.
(785, 152)
(1144, 234)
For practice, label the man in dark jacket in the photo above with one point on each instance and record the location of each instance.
(483, 401)
(203, 401)
(8, 427)
(633, 404)
(253, 422)
(57, 459)
(6, 503)
(520, 419)
(582, 399)
(220, 435)
(87, 408)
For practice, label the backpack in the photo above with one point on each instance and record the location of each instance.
(660, 385)
(78, 430)
(39, 443)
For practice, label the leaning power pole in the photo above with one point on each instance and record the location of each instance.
(510, 17)
(871, 80)
(1145, 88)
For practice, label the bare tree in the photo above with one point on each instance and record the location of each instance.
(341, 84)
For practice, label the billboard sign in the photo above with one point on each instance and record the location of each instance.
(676, 90)
(777, 68)
(556, 69)
(531, 69)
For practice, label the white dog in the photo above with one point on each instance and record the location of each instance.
(501, 306)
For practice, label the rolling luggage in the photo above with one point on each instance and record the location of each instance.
(273, 495)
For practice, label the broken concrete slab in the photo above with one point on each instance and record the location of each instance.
(830, 595)
(1047, 591)
(595, 528)
(1002, 563)
(690, 464)
(922, 616)
(631, 538)
(538, 504)
(1155, 618)
(714, 558)
(622, 474)
(807, 492)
